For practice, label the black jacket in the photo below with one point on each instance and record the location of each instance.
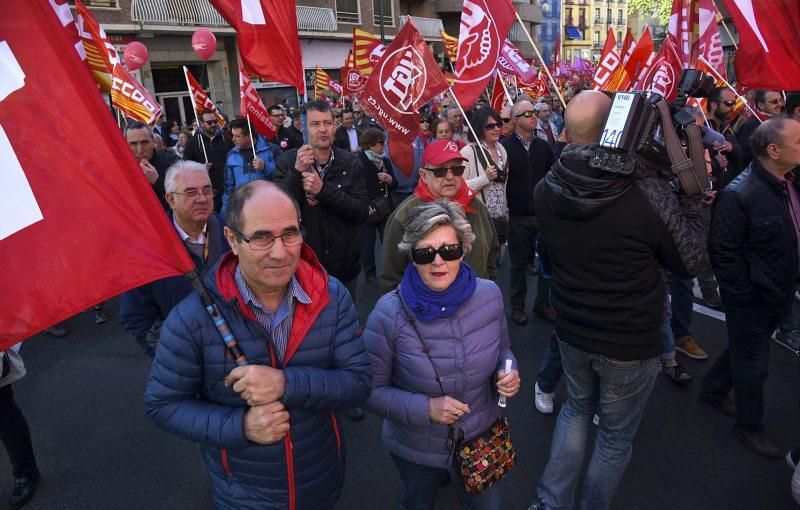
(217, 148)
(525, 170)
(753, 243)
(161, 161)
(374, 186)
(609, 238)
(288, 139)
(330, 225)
(743, 137)
(342, 140)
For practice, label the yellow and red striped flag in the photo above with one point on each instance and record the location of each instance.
(450, 45)
(367, 50)
(324, 82)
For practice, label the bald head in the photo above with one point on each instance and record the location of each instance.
(586, 115)
(266, 192)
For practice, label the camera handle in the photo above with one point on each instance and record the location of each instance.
(691, 168)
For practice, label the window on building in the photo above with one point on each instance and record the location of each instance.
(619, 39)
(388, 15)
(619, 17)
(582, 18)
(347, 11)
(597, 15)
(609, 15)
(568, 16)
(597, 38)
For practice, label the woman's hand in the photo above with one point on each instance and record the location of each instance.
(446, 410)
(491, 173)
(508, 384)
(384, 177)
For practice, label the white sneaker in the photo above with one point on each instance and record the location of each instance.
(544, 401)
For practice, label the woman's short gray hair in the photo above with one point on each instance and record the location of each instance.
(182, 167)
(428, 216)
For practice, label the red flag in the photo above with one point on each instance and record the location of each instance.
(511, 63)
(769, 43)
(250, 105)
(557, 50)
(267, 35)
(324, 83)
(405, 78)
(127, 94)
(353, 82)
(634, 61)
(609, 62)
(498, 94)
(484, 26)
(200, 98)
(93, 229)
(664, 73)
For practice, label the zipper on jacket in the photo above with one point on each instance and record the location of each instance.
(288, 448)
(335, 425)
(223, 455)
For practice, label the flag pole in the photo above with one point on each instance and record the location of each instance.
(253, 139)
(725, 26)
(469, 125)
(530, 39)
(196, 117)
(721, 78)
(505, 89)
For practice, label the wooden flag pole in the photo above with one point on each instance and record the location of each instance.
(725, 26)
(530, 39)
(252, 138)
(469, 125)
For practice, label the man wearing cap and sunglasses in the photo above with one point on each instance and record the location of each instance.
(441, 176)
(210, 146)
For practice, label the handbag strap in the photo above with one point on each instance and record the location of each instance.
(413, 321)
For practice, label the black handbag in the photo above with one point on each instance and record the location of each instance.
(380, 207)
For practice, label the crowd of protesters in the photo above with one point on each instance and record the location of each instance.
(281, 229)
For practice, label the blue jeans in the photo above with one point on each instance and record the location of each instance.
(550, 371)
(682, 301)
(617, 391)
(788, 323)
(422, 483)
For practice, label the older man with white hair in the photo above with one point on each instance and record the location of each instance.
(191, 201)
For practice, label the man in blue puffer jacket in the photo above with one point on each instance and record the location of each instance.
(242, 165)
(267, 431)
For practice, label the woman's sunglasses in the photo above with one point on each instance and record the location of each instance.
(492, 125)
(448, 252)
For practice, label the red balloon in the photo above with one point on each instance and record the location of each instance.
(204, 43)
(135, 55)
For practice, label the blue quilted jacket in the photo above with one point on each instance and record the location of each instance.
(467, 349)
(326, 369)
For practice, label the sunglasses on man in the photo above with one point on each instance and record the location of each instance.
(448, 252)
(528, 114)
(442, 172)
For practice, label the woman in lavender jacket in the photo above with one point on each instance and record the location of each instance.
(460, 320)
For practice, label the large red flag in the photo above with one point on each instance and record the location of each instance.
(694, 33)
(609, 62)
(267, 34)
(664, 73)
(634, 61)
(484, 26)
(92, 229)
(251, 106)
(405, 78)
(769, 43)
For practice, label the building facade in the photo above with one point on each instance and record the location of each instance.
(586, 24)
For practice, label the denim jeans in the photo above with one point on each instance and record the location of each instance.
(744, 364)
(368, 233)
(422, 483)
(550, 371)
(681, 307)
(617, 391)
(522, 234)
(788, 323)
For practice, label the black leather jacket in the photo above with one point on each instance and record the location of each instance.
(753, 243)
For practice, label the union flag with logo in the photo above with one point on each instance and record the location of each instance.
(484, 27)
(403, 80)
(200, 98)
(251, 106)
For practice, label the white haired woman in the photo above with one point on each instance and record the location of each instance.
(439, 346)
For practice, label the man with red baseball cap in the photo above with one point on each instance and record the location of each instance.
(441, 177)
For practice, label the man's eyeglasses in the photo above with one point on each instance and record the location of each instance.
(448, 252)
(424, 121)
(729, 104)
(492, 125)
(192, 193)
(278, 115)
(266, 241)
(442, 172)
(528, 114)
(505, 120)
(209, 122)
(775, 101)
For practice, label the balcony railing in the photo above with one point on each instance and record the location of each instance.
(200, 12)
(620, 21)
(428, 27)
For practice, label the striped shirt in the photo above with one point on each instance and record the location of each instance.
(279, 323)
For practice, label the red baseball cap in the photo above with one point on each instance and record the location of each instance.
(440, 152)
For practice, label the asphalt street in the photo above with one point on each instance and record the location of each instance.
(96, 449)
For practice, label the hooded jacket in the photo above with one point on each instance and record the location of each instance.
(609, 238)
(239, 169)
(326, 369)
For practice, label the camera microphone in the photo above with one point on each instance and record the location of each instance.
(711, 137)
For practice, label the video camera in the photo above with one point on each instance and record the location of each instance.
(643, 127)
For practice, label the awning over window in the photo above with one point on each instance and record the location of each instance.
(573, 32)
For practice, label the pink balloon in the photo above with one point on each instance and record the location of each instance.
(204, 43)
(135, 55)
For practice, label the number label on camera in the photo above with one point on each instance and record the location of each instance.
(621, 109)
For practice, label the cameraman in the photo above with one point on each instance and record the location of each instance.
(610, 237)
